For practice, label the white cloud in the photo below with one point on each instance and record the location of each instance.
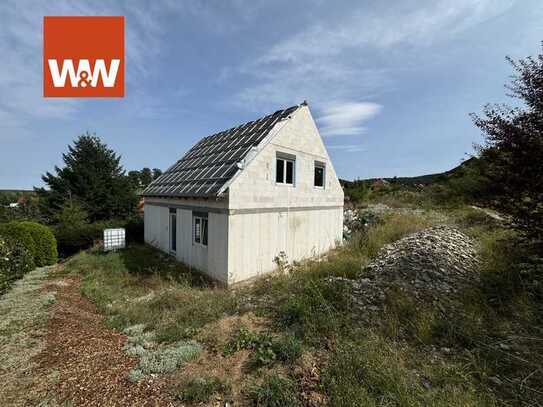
(343, 57)
(347, 148)
(346, 119)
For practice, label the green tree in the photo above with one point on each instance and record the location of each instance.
(513, 146)
(156, 173)
(93, 176)
(146, 176)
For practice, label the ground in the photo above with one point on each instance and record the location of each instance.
(136, 328)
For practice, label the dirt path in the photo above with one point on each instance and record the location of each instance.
(61, 352)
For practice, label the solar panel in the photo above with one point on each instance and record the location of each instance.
(212, 162)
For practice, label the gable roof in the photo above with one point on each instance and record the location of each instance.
(213, 161)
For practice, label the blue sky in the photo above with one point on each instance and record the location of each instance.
(390, 86)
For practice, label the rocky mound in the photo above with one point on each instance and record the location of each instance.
(433, 262)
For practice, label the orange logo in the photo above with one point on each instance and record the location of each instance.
(83, 56)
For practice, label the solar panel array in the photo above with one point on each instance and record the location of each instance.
(212, 162)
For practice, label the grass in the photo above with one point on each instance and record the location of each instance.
(275, 391)
(202, 389)
(142, 286)
(483, 348)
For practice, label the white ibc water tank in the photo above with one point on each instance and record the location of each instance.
(114, 239)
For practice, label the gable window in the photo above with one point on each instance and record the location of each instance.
(199, 228)
(285, 167)
(320, 173)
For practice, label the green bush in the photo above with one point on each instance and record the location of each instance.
(73, 238)
(16, 231)
(45, 242)
(15, 261)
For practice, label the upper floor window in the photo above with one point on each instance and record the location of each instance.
(320, 173)
(285, 169)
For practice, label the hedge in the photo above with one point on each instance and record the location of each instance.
(15, 231)
(38, 239)
(46, 244)
(15, 261)
(73, 238)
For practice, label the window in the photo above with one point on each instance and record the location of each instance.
(199, 222)
(284, 170)
(319, 174)
(173, 230)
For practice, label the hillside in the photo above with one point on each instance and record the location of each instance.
(459, 185)
(426, 179)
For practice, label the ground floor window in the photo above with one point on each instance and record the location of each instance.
(173, 230)
(199, 227)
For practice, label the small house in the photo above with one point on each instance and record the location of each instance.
(242, 198)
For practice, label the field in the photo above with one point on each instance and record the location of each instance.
(292, 338)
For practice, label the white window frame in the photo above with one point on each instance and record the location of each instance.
(285, 158)
(319, 164)
(203, 231)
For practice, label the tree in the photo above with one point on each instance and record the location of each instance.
(146, 176)
(513, 147)
(141, 179)
(156, 173)
(93, 176)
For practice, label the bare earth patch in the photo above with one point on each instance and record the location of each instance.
(89, 360)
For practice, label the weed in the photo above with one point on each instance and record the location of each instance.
(275, 391)
(202, 389)
(267, 350)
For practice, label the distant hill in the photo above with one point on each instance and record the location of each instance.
(419, 179)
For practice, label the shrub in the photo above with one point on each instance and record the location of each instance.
(15, 261)
(275, 391)
(201, 389)
(15, 231)
(134, 230)
(267, 350)
(46, 244)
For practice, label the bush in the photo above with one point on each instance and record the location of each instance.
(201, 389)
(73, 238)
(15, 261)
(16, 231)
(134, 230)
(45, 242)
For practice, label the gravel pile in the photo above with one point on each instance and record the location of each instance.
(434, 262)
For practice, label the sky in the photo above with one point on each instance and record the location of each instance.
(390, 84)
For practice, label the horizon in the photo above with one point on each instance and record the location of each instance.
(390, 88)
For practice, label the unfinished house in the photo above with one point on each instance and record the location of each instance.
(242, 197)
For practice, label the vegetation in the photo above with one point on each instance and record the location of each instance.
(477, 349)
(513, 147)
(202, 389)
(45, 243)
(23, 246)
(15, 261)
(17, 232)
(93, 176)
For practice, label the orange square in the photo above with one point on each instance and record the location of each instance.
(83, 56)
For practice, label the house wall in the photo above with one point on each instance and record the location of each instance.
(210, 259)
(267, 218)
(255, 186)
(257, 238)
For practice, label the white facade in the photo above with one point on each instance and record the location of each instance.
(255, 218)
